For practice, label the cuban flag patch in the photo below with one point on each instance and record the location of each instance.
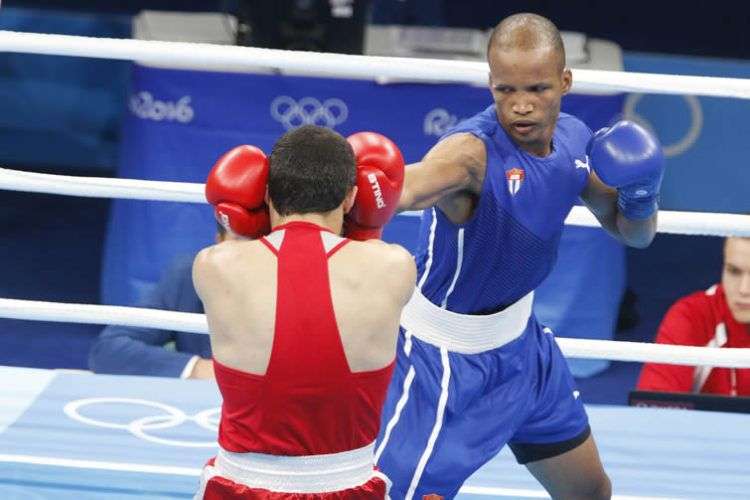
(515, 179)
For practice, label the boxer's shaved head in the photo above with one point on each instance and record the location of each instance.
(527, 32)
(312, 169)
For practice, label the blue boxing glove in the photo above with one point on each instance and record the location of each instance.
(628, 157)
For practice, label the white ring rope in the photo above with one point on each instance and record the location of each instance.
(101, 187)
(693, 223)
(103, 315)
(382, 69)
(196, 323)
(675, 222)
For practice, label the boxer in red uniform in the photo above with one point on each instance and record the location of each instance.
(303, 322)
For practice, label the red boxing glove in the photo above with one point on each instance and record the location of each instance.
(236, 187)
(380, 178)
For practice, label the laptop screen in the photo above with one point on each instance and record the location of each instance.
(687, 401)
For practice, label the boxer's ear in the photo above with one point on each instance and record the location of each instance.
(349, 200)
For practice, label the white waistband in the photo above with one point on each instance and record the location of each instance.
(465, 333)
(305, 474)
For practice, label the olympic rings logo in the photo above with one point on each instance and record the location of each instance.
(438, 121)
(308, 111)
(143, 427)
(690, 136)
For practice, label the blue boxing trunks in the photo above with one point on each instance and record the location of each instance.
(463, 387)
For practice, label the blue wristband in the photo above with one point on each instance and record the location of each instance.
(636, 205)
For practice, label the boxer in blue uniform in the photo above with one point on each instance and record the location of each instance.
(475, 368)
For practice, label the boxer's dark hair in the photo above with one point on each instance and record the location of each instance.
(311, 171)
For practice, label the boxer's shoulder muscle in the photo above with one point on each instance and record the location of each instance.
(463, 152)
(379, 265)
(226, 261)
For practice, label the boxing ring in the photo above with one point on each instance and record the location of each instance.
(72, 436)
(69, 435)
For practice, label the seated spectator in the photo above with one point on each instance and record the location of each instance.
(124, 350)
(717, 317)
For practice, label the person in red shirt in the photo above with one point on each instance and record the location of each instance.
(717, 317)
(303, 321)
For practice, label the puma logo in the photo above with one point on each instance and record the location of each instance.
(581, 164)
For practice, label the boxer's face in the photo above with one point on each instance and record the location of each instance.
(736, 277)
(527, 86)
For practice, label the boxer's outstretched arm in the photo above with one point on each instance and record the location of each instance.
(455, 163)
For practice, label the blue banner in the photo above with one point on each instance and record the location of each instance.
(57, 111)
(705, 138)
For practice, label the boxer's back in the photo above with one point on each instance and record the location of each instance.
(369, 282)
(303, 330)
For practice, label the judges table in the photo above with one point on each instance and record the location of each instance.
(77, 435)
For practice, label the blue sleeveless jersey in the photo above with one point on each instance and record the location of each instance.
(509, 245)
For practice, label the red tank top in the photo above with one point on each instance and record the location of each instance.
(308, 402)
